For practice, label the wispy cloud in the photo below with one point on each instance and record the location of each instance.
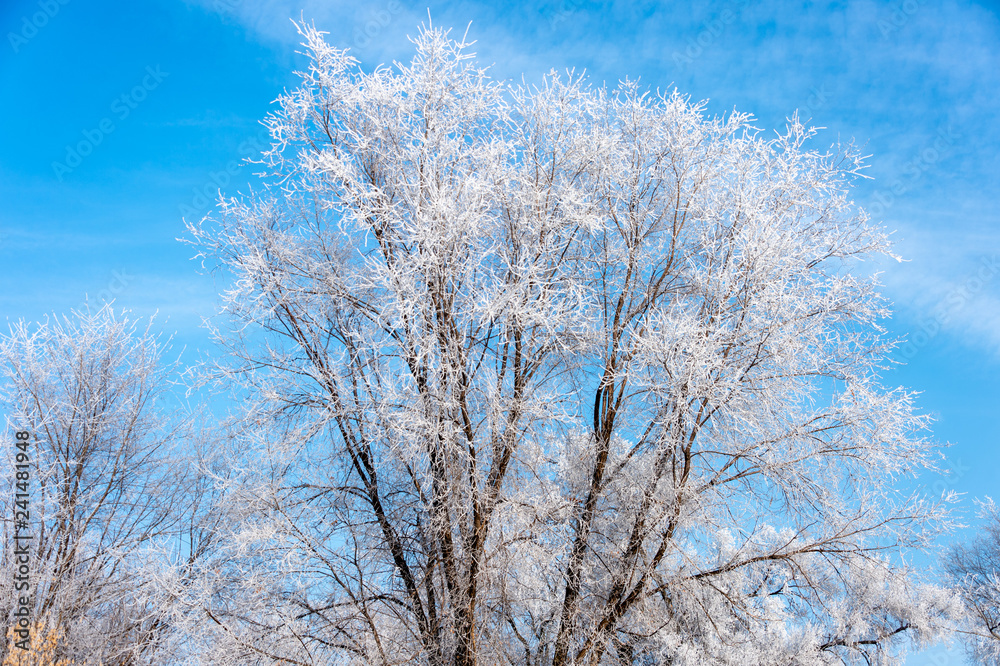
(949, 285)
(896, 79)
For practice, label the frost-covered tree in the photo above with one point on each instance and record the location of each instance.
(104, 482)
(555, 375)
(974, 568)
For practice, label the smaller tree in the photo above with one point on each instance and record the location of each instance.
(975, 569)
(104, 483)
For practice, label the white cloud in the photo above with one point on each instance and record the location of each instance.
(950, 284)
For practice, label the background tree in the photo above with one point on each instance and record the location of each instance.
(105, 480)
(975, 569)
(557, 375)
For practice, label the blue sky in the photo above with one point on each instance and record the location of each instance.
(164, 97)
